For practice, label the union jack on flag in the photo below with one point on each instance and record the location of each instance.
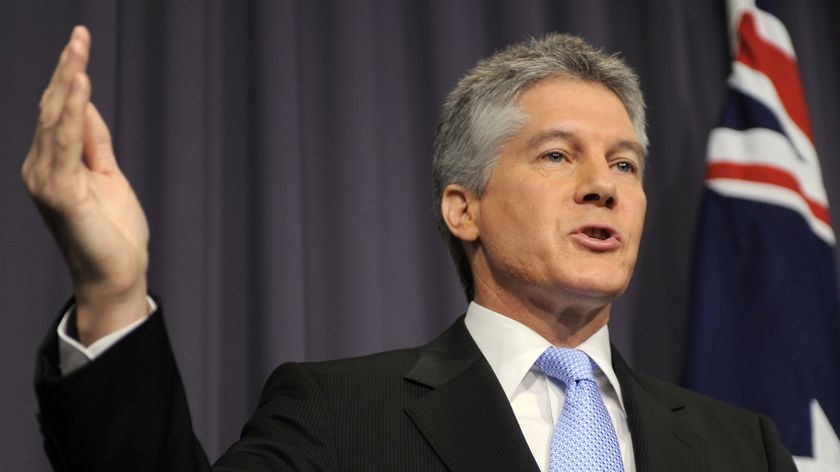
(764, 328)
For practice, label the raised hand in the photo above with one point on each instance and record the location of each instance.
(88, 204)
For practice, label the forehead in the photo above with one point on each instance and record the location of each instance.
(560, 93)
(559, 106)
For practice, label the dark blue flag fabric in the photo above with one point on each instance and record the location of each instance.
(764, 329)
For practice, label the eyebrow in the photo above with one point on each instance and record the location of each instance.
(631, 146)
(548, 135)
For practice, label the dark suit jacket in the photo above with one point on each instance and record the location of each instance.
(435, 407)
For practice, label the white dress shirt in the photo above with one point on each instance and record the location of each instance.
(72, 354)
(511, 349)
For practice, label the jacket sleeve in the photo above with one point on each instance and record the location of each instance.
(125, 411)
(291, 430)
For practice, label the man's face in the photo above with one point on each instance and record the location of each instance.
(563, 211)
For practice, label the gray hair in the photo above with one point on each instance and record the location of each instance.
(482, 112)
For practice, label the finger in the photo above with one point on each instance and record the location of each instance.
(80, 36)
(69, 133)
(73, 60)
(98, 150)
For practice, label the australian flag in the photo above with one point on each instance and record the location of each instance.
(764, 329)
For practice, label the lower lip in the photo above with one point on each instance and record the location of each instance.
(595, 244)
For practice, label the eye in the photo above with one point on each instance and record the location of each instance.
(554, 156)
(626, 167)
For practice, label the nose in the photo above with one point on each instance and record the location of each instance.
(596, 185)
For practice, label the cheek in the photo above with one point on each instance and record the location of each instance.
(638, 207)
(634, 222)
(511, 214)
(516, 235)
(635, 242)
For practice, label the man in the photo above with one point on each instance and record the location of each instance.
(538, 182)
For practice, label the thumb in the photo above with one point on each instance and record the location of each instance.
(98, 152)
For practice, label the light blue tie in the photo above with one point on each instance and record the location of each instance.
(584, 439)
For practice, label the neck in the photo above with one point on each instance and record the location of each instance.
(559, 319)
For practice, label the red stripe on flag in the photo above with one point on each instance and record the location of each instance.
(766, 175)
(758, 54)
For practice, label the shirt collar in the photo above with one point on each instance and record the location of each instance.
(511, 348)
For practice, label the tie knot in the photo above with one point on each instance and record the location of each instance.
(565, 365)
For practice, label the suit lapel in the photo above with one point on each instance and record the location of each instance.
(466, 417)
(468, 421)
(662, 439)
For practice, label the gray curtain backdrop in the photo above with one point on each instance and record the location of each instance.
(282, 151)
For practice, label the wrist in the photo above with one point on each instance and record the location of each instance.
(100, 312)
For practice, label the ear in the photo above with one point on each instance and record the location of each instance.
(460, 209)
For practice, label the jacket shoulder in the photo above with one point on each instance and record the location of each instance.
(732, 437)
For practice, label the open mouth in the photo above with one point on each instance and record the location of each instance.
(597, 238)
(597, 233)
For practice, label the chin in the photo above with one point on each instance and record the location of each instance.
(596, 287)
(599, 295)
